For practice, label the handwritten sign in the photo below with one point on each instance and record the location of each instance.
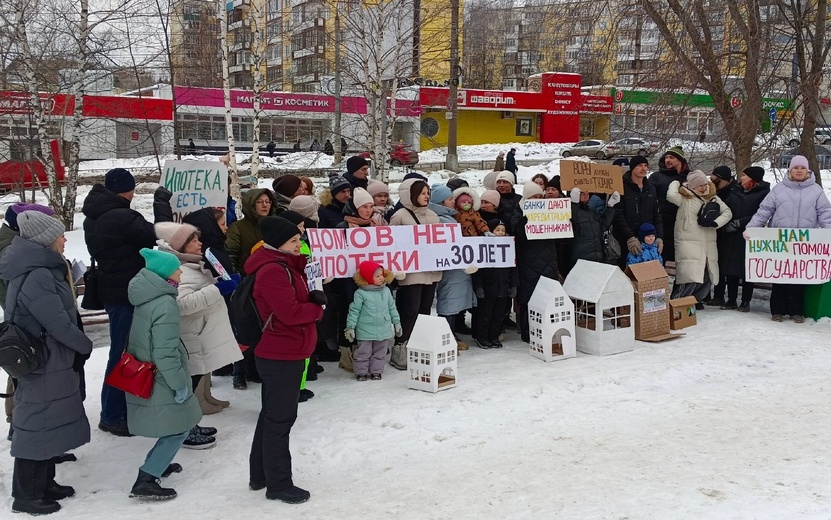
(314, 276)
(407, 249)
(547, 218)
(195, 185)
(591, 177)
(781, 255)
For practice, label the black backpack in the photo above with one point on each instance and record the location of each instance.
(245, 319)
(708, 213)
(21, 353)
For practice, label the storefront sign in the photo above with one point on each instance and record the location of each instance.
(596, 104)
(195, 185)
(407, 249)
(471, 99)
(781, 255)
(591, 177)
(547, 218)
(284, 101)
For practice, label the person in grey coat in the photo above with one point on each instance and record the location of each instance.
(49, 417)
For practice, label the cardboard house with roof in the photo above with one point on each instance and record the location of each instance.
(551, 322)
(603, 303)
(652, 311)
(431, 355)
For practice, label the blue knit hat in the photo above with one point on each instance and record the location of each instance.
(162, 263)
(439, 193)
(646, 229)
(119, 180)
(16, 209)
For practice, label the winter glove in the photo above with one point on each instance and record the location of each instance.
(349, 334)
(660, 243)
(613, 200)
(575, 195)
(318, 297)
(711, 223)
(471, 269)
(745, 235)
(226, 287)
(480, 292)
(512, 293)
(79, 361)
(400, 275)
(396, 327)
(237, 278)
(634, 246)
(182, 394)
(162, 194)
(732, 226)
(489, 234)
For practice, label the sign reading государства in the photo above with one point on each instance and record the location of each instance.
(782, 255)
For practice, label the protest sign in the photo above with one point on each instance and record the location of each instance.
(591, 177)
(407, 249)
(547, 218)
(195, 185)
(314, 276)
(781, 255)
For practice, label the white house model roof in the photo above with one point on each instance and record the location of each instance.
(587, 281)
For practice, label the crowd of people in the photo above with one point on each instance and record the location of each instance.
(167, 286)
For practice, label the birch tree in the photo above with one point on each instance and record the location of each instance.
(233, 185)
(259, 47)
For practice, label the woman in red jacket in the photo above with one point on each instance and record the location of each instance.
(289, 312)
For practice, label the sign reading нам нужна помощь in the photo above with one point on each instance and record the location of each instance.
(407, 249)
(195, 185)
(782, 255)
(547, 218)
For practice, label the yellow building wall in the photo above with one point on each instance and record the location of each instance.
(481, 127)
(434, 62)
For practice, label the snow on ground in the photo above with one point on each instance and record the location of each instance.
(728, 421)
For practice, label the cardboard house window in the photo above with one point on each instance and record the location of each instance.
(617, 317)
(446, 339)
(535, 316)
(585, 313)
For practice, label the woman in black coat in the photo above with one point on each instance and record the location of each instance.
(744, 200)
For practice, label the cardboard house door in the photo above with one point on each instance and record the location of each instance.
(563, 344)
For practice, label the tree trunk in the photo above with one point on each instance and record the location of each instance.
(233, 184)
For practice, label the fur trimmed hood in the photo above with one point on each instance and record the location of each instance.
(477, 203)
(361, 282)
(688, 194)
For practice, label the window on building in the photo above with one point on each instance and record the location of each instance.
(617, 317)
(584, 313)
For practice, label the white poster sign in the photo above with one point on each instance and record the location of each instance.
(781, 255)
(547, 218)
(195, 185)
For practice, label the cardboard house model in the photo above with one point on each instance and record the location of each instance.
(551, 322)
(682, 312)
(651, 284)
(431, 355)
(603, 303)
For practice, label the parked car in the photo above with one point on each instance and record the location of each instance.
(400, 154)
(822, 135)
(823, 156)
(628, 146)
(589, 148)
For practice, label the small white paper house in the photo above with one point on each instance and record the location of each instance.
(603, 303)
(431, 355)
(551, 322)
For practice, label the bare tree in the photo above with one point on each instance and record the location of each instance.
(233, 185)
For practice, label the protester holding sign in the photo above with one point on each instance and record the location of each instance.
(588, 226)
(796, 202)
(416, 291)
(358, 210)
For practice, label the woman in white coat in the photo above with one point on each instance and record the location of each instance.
(696, 252)
(206, 329)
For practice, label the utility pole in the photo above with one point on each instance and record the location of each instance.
(451, 161)
(338, 130)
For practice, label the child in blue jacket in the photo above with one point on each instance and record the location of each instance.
(646, 233)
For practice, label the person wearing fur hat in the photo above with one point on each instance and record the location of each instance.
(373, 320)
(172, 410)
(307, 206)
(638, 205)
(333, 200)
(286, 187)
(380, 197)
(205, 325)
(489, 205)
(696, 251)
(114, 235)
(796, 202)
(357, 172)
(649, 250)
(416, 290)
(672, 167)
(495, 287)
(359, 210)
(49, 417)
(509, 200)
(289, 310)
(467, 213)
(744, 201)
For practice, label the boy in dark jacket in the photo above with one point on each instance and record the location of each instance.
(495, 288)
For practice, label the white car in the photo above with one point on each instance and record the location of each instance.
(628, 146)
(589, 147)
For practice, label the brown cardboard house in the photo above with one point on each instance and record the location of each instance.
(652, 312)
(682, 312)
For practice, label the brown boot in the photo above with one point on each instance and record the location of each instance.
(210, 398)
(346, 359)
(208, 408)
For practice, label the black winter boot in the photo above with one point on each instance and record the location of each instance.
(147, 487)
(43, 506)
(292, 495)
(55, 491)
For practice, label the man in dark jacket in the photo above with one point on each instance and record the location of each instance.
(115, 234)
(672, 167)
(510, 163)
(357, 172)
(508, 200)
(332, 202)
(722, 177)
(638, 205)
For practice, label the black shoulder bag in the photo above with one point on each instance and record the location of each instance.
(91, 301)
(21, 353)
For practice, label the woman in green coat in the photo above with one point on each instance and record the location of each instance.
(172, 410)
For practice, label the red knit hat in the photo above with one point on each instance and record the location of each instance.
(367, 270)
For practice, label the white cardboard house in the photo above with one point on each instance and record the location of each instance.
(603, 305)
(431, 355)
(551, 322)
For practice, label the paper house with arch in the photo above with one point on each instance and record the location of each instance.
(431, 355)
(603, 303)
(551, 322)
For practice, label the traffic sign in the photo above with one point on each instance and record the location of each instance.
(772, 115)
(619, 95)
(736, 102)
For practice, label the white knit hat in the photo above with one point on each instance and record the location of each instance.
(376, 187)
(505, 175)
(176, 235)
(39, 228)
(306, 205)
(360, 197)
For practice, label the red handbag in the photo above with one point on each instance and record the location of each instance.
(133, 376)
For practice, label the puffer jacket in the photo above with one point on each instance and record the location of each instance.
(589, 227)
(7, 234)
(49, 417)
(662, 179)
(473, 225)
(283, 302)
(154, 337)
(372, 312)
(403, 217)
(244, 234)
(454, 293)
(330, 211)
(731, 244)
(648, 254)
(696, 249)
(793, 204)
(115, 234)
